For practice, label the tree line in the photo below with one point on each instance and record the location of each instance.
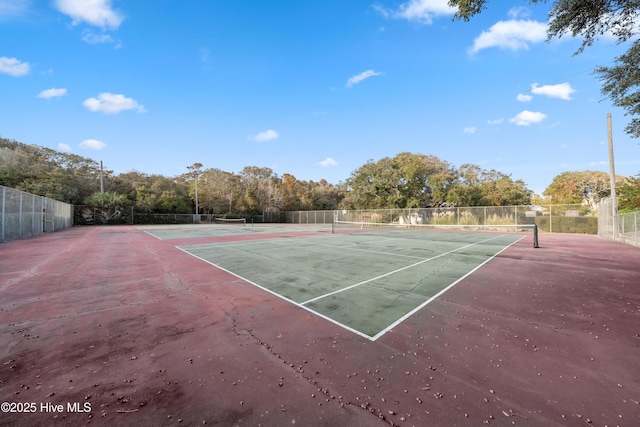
(406, 180)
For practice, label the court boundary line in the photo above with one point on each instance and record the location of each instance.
(364, 282)
(282, 297)
(348, 328)
(424, 304)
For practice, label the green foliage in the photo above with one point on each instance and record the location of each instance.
(564, 224)
(621, 83)
(588, 187)
(495, 219)
(46, 172)
(628, 194)
(107, 199)
(153, 193)
(407, 180)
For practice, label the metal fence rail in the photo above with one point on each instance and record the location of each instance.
(548, 218)
(25, 215)
(621, 227)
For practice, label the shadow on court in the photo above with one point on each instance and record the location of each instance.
(112, 326)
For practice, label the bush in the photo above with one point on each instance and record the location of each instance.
(565, 224)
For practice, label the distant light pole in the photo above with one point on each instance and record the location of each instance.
(101, 179)
(196, 172)
(197, 210)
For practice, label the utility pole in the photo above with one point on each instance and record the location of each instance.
(197, 209)
(101, 179)
(612, 177)
(196, 172)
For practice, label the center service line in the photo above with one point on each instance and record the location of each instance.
(394, 271)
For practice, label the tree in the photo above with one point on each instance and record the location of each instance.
(590, 20)
(261, 191)
(500, 190)
(628, 193)
(405, 181)
(107, 206)
(475, 186)
(219, 191)
(290, 188)
(622, 84)
(62, 176)
(467, 189)
(584, 187)
(153, 193)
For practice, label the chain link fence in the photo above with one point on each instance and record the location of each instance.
(548, 218)
(25, 215)
(127, 215)
(622, 227)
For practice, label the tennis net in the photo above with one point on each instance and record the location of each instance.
(419, 230)
(230, 221)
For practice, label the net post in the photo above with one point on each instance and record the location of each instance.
(535, 236)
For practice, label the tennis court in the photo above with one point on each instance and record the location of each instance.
(276, 325)
(366, 282)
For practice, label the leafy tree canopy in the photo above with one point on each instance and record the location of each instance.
(628, 194)
(580, 187)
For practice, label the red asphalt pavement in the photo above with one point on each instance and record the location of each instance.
(111, 326)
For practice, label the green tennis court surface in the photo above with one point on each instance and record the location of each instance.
(365, 282)
(180, 231)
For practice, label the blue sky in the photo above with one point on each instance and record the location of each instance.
(310, 88)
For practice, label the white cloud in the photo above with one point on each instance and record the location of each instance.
(14, 7)
(524, 98)
(65, 148)
(92, 38)
(512, 34)
(518, 12)
(14, 67)
(362, 76)
(266, 136)
(52, 93)
(92, 144)
(328, 162)
(421, 11)
(470, 130)
(496, 121)
(110, 103)
(525, 118)
(93, 12)
(562, 90)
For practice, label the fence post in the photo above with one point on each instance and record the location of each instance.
(33, 214)
(635, 226)
(2, 215)
(20, 217)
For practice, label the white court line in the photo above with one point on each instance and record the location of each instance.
(351, 249)
(251, 242)
(151, 234)
(335, 322)
(412, 312)
(395, 271)
(348, 328)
